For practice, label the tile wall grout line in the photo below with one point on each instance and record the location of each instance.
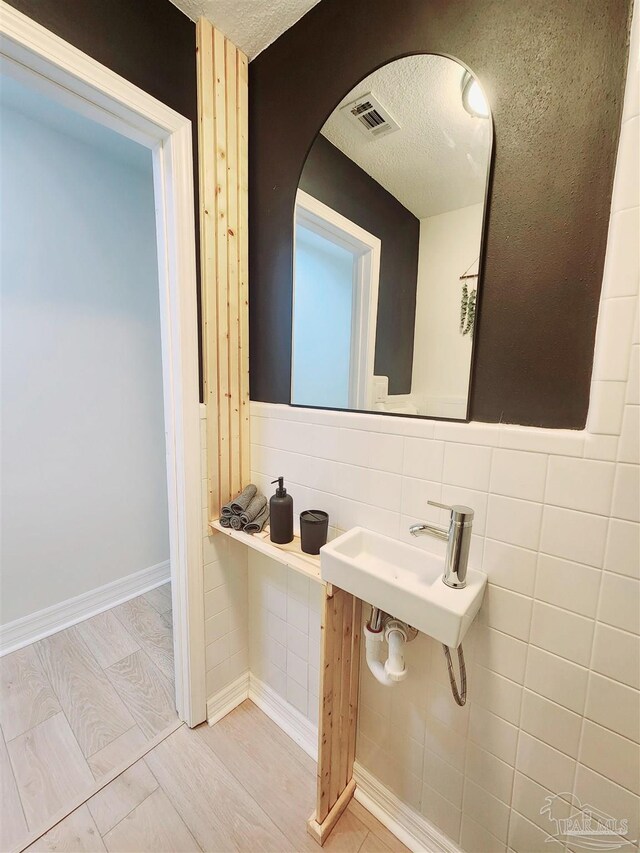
(526, 656)
(465, 778)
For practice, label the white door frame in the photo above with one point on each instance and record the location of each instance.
(31, 53)
(327, 222)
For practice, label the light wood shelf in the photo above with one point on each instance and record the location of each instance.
(290, 555)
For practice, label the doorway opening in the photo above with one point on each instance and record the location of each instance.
(336, 273)
(84, 310)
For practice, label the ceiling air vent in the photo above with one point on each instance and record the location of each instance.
(370, 116)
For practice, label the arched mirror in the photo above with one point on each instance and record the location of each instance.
(388, 243)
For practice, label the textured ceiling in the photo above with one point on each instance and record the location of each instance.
(438, 159)
(250, 24)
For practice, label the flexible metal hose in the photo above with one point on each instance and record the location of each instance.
(461, 696)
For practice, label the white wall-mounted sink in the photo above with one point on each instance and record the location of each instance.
(403, 581)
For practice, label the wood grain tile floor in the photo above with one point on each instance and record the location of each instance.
(241, 785)
(77, 704)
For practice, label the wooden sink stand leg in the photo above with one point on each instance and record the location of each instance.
(338, 717)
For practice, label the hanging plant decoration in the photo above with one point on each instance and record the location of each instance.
(463, 307)
(471, 313)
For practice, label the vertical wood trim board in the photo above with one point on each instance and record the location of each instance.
(223, 141)
(339, 673)
(243, 263)
(223, 161)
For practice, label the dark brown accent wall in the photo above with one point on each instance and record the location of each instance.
(554, 75)
(151, 43)
(338, 182)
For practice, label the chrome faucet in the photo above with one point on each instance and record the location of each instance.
(458, 539)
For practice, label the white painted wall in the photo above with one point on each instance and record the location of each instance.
(449, 243)
(84, 497)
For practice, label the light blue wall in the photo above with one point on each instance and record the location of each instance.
(84, 495)
(322, 321)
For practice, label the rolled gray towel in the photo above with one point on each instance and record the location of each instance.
(258, 503)
(243, 500)
(225, 521)
(258, 522)
(239, 503)
(236, 522)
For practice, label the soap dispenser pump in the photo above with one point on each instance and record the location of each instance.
(281, 515)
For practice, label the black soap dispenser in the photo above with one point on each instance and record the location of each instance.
(281, 515)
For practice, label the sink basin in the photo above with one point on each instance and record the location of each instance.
(404, 581)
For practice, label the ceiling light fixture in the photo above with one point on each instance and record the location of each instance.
(473, 99)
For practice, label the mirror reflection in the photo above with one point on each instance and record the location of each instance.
(388, 240)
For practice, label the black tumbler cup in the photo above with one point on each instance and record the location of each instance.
(314, 524)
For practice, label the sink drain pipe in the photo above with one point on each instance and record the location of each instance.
(381, 627)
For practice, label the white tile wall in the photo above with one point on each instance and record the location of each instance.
(553, 658)
(284, 617)
(619, 303)
(226, 597)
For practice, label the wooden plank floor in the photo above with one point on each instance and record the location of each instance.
(77, 704)
(241, 785)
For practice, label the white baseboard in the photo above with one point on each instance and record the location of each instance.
(289, 719)
(413, 829)
(225, 700)
(22, 632)
(284, 715)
